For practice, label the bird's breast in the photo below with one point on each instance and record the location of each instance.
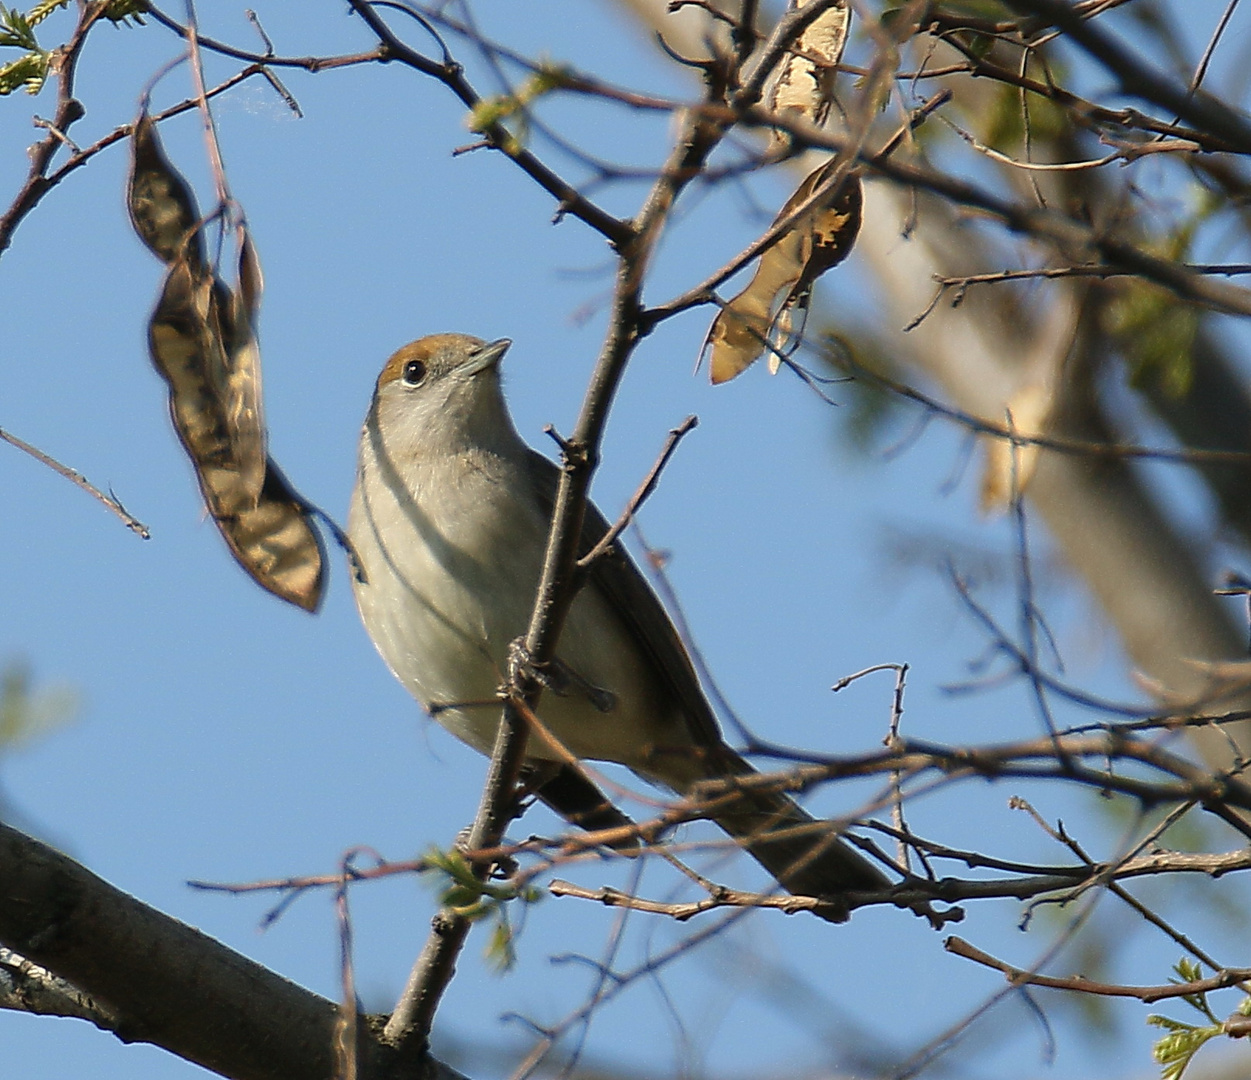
(452, 551)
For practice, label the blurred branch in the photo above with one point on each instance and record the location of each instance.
(1138, 78)
(1060, 444)
(1067, 233)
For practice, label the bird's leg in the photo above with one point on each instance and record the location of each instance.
(558, 677)
(534, 774)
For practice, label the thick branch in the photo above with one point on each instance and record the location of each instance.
(162, 981)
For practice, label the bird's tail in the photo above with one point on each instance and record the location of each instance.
(805, 858)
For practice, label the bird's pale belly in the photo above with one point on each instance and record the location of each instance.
(443, 617)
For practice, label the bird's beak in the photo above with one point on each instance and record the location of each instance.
(487, 356)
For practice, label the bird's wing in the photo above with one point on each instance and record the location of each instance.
(805, 859)
(637, 607)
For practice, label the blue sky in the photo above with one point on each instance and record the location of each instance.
(222, 735)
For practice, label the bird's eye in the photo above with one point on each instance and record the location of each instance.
(414, 373)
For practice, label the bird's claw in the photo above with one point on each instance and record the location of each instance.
(555, 675)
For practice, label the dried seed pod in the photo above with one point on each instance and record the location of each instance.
(202, 340)
(765, 311)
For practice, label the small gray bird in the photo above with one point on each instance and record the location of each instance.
(449, 520)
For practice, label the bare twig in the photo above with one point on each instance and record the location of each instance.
(1139, 78)
(109, 501)
(640, 496)
(681, 912)
(1148, 994)
(980, 426)
(569, 200)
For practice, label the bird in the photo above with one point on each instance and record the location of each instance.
(448, 520)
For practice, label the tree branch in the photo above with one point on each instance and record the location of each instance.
(1149, 994)
(154, 979)
(569, 199)
(1137, 78)
(68, 110)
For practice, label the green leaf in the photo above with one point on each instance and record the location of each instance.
(26, 73)
(1176, 1050)
(42, 10)
(487, 116)
(1156, 333)
(16, 30)
(500, 951)
(477, 900)
(118, 11)
(1188, 971)
(1169, 1024)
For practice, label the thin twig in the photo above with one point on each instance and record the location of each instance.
(206, 114)
(1080, 447)
(682, 912)
(1065, 232)
(69, 110)
(703, 292)
(1210, 50)
(1148, 994)
(109, 501)
(640, 496)
(569, 200)
(1139, 78)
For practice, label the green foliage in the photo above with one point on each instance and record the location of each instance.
(1188, 972)
(1157, 334)
(1002, 126)
(119, 11)
(1154, 329)
(115, 10)
(25, 714)
(27, 73)
(473, 899)
(1177, 1049)
(17, 31)
(41, 11)
(492, 112)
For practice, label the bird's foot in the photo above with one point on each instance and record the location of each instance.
(557, 676)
